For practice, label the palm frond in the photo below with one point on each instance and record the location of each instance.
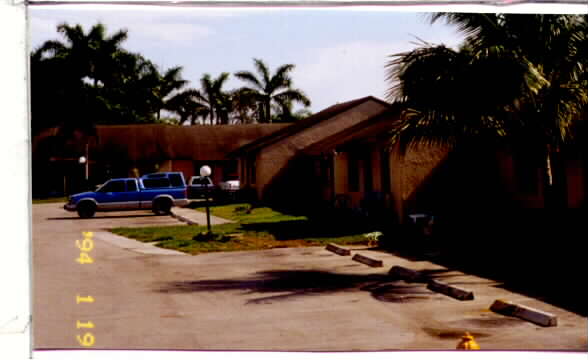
(73, 34)
(293, 95)
(263, 70)
(220, 81)
(51, 48)
(250, 78)
(515, 76)
(478, 29)
(281, 79)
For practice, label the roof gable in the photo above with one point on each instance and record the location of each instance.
(301, 125)
(377, 126)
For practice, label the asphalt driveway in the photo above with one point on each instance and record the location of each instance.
(301, 299)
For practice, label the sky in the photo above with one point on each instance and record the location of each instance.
(340, 54)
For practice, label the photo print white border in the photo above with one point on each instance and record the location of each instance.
(15, 257)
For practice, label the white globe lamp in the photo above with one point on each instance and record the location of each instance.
(205, 170)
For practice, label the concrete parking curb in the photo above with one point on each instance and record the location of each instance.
(524, 312)
(182, 218)
(338, 250)
(408, 275)
(450, 290)
(367, 261)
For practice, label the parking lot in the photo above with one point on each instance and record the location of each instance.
(297, 299)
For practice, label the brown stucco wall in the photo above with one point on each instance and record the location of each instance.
(508, 182)
(185, 166)
(410, 171)
(166, 165)
(273, 159)
(575, 183)
(340, 168)
(376, 169)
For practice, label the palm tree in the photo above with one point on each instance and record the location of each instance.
(516, 78)
(186, 106)
(86, 67)
(212, 97)
(244, 106)
(268, 88)
(283, 113)
(132, 89)
(90, 55)
(165, 87)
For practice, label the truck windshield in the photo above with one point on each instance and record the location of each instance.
(113, 186)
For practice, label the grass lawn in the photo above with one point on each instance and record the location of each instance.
(50, 200)
(260, 228)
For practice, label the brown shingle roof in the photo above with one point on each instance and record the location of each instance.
(198, 142)
(159, 141)
(377, 126)
(304, 124)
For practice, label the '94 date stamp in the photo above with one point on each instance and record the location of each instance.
(86, 245)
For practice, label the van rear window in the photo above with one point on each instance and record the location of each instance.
(176, 180)
(156, 183)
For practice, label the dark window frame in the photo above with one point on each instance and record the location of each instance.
(385, 171)
(251, 170)
(353, 172)
(368, 173)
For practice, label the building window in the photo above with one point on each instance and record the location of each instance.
(385, 170)
(353, 173)
(251, 170)
(325, 170)
(230, 170)
(368, 183)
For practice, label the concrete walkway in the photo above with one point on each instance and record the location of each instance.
(133, 245)
(193, 217)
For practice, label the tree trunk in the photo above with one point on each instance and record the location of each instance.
(555, 191)
(269, 112)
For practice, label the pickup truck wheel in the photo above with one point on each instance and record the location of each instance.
(162, 206)
(86, 209)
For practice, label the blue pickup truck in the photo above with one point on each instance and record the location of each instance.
(158, 192)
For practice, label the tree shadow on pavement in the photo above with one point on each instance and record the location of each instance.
(534, 253)
(289, 284)
(303, 229)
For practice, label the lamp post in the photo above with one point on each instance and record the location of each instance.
(205, 172)
(84, 161)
